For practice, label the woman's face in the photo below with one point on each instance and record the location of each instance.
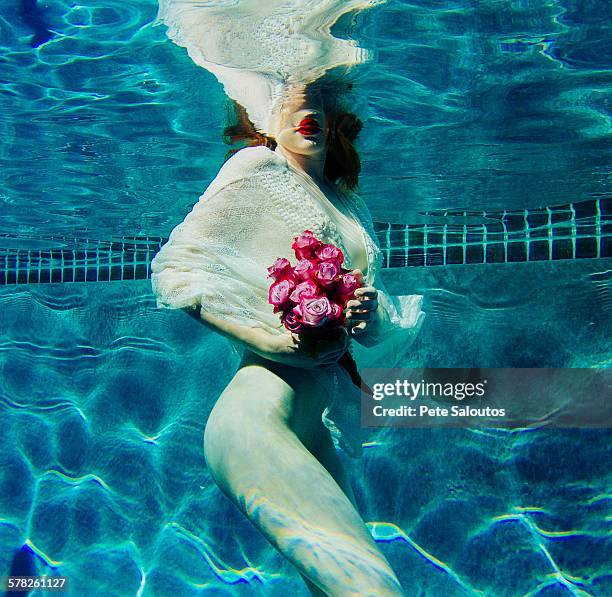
(302, 125)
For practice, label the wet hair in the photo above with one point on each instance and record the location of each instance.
(342, 163)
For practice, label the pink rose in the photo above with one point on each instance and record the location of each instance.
(281, 268)
(325, 273)
(306, 288)
(346, 284)
(304, 268)
(314, 311)
(329, 253)
(336, 311)
(304, 245)
(280, 291)
(292, 323)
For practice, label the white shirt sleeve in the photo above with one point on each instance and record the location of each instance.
(217, 258)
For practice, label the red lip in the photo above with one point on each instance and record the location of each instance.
(308, 127)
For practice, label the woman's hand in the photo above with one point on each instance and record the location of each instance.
(361, 312)
(291, 349)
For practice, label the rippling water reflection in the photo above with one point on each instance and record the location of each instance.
(261, 52)
(471, 104)
(107, 128)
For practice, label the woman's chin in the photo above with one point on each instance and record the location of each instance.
(308, 146)
(297, 143)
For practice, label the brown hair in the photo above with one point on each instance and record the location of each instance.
(342, 163)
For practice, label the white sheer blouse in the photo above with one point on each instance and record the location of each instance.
(217, 258)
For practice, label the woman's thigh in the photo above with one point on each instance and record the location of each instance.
(325, 452)
(261, 464)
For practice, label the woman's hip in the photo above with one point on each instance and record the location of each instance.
(263, 395)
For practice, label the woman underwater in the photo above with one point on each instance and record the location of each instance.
(270, 441)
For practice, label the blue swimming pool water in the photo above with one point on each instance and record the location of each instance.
(109, 129)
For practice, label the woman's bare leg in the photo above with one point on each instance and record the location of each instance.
(261, 464)
(325, 453)
(314, 590)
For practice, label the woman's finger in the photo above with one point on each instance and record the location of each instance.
(366, 291)
(359, 328)
(372, 304)
(355, 304)
(367, 305)
(358, 316)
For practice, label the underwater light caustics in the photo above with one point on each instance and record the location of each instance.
(574, 231)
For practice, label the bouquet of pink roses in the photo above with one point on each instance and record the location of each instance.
(312, 294)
